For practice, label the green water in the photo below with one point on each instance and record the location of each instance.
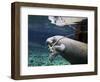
(38, 55)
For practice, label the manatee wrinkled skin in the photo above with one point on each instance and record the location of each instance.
(73, 51)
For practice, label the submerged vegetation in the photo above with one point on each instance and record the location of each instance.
(39, 56)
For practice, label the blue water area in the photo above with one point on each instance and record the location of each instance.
(39, 29)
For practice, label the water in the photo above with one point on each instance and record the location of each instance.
(39, 56)
(39, 29)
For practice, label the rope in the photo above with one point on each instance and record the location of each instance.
(52, 47)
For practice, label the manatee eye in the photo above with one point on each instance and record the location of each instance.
(49, 42)
(54, 40)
